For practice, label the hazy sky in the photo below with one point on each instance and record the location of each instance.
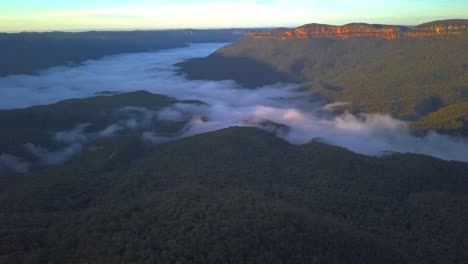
(19, 15)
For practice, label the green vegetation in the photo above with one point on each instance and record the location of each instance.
(38, 124)
(218, 67)
(238, 195)
(26, 53)
(449, 119)
(243, 195)
(408, 78)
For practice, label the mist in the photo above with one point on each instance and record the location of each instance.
(226, 104)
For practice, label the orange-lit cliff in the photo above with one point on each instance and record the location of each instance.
(436, 29)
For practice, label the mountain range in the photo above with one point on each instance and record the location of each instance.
(435, 29)
(418, 74)
(28, 52)
(233, 195)
(116, 178)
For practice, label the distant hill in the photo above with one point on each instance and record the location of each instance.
(411, 76)
(436, 29)
(108, 179)
(235, 195)
(27, 52)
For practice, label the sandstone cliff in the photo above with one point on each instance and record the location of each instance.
(435, 29)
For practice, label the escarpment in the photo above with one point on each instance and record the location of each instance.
(436, 29)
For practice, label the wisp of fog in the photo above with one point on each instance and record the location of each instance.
(227, 104)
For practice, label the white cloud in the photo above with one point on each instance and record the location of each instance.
(11, 163)
(227, 104)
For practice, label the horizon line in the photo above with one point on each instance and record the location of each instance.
(203, 28)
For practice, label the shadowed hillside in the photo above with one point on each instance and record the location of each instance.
(235, 195)
(28, 52)
(48, 134)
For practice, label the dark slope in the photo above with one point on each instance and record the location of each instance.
(133, 112)
(25, 53)
(218, 67)
(238, 195)
(408, 78)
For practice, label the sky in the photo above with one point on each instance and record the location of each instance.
(47, 15)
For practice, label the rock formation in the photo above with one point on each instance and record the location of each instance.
(437, 29)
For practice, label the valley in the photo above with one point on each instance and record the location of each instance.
(319, 144)
(408, 77)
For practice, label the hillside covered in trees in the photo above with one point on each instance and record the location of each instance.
(211, 178)
(28, 52)
(409, 78)
(238, 195)
(39, 136)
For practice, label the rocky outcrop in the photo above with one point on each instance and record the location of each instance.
(360, 30)
(437, 30)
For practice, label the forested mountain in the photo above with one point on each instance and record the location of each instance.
(238, 195)
(136, 178)
(46, 135)
(407, 72)
(27, 52)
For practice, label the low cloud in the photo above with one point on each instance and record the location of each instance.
(74, 136)
(11, 163)
(133, 118)
(333, 106)
(48, 157)
(155, 138)
(284, 109)
(111, 130)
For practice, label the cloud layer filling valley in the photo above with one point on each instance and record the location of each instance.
(228, 104)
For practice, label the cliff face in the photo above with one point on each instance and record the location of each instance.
(340, 32)
(437, 30)
(429, 30)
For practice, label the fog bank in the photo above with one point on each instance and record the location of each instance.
(227, 104)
